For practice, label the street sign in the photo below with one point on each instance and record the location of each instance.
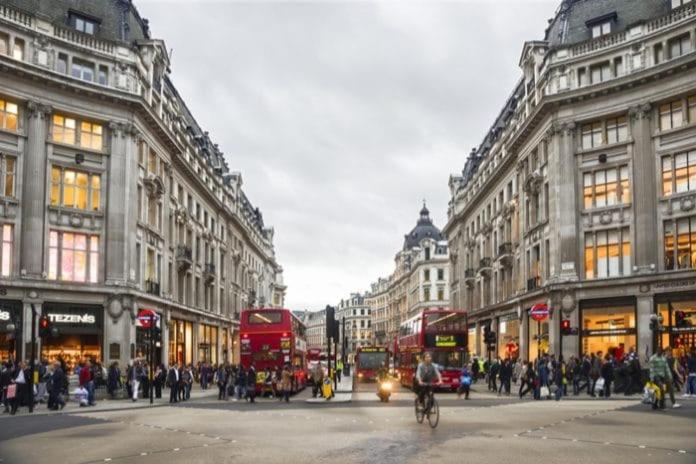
(539, 312)
(145, 316)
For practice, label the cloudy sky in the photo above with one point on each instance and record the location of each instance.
(344, 116)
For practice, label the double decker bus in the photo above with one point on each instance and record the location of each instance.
(368, 360)
(442, 332)
(270, 338)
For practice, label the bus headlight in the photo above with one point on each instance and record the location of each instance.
(360, 376)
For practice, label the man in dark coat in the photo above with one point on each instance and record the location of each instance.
(113, 379)
(58, 380)
(173, 382)
(251, 384)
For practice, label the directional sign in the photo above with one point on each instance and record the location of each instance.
(539, 312)
(145, 316)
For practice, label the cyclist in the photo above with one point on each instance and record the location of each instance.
(426, 375)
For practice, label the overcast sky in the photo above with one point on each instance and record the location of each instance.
(343, 117)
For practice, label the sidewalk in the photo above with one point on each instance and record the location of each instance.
(72, 407)
(343, 394)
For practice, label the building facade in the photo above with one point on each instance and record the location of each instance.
(358, 324)
(581, 197)
(420, 280)
(114, 199)
(315, 322)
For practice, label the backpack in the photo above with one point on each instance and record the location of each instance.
(466, 380)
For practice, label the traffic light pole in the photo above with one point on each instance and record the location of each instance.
(151, 355)
(32, 361)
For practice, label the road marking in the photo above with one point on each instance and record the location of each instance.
(682, 451)
(143, 454)
(641, 446)
(176, 449)
(107, 459)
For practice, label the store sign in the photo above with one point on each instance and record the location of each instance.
(72, 318)
(373, 350)
(445, 341)
(539, 312)
(683, 329)
(4, 316)
(608, 332)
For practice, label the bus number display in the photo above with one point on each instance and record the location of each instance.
(445, 341)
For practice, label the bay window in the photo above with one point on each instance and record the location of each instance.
(606, 187)
(680, 244)
(75, 189)
(607, 253)
(73, 257)
(679, 173)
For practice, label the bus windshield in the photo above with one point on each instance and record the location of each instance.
(448, 359)
(445, 322)
(373, 360)
(265, 317)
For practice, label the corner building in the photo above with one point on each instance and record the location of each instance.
(113, 198)
(582, 195)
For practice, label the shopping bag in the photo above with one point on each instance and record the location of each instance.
(544, 391)
(11, 391)
(599, 386)
(648, 395)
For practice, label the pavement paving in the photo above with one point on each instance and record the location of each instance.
(484, 428)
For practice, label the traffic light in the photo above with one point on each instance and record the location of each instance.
(565, 327)
(489, 337)
(44, 327)
(331, 322)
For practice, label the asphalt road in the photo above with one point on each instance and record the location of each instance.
(484, 429)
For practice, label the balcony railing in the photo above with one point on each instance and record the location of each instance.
(184, 257)
(484, 263)
(209, 273)
(469, 273)
(533, 283)
(152, 287)
(505, 249)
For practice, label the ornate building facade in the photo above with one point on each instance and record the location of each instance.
(581, 196)
(114, 199)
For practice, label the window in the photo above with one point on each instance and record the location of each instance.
(75, 189)
(82, 70)
(440, 274)
(659, 54)
(426, 275)
(601, 29)
(440, 294)
(671, 115)
(426, 293)
(73, 257)
(607, 253)
(596, 134)
(680, 244)
(600, 72)
(691, 103)
(62, 63)
(8, 166)
(83, 24)
(64, 129)
(679, 46)
(91, 135)
(607, 187)
(18, 49)
(679, 173)
(103, 75)
(4, 43)
(6, 250)
(8, 115)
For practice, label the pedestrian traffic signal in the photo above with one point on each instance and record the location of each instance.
(44, 327)
(565, 327)
(489, 337)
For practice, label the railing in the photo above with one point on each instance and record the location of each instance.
(210, 269)
(84, 40)
(183, 252)
(152, 287)
(469, 274)
(15, 16)
(599, 43)
(533, 283)
(484, 263)
(676, 15)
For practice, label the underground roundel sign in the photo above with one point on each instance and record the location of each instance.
(539, 312)
(144, 318)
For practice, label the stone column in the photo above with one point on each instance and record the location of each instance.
(645, 308)
(564, 194)
(644, 190)
(524, 331)
(122, 171)
(477, 348)
(34, 192)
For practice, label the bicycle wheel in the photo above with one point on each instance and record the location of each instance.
(419, 412)
(434, 414)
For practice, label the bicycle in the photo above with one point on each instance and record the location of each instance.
(430, 409)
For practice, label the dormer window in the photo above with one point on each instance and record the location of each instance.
(83, 23)
(601, 25)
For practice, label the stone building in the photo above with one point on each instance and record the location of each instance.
(315, 322)
(420, 280)
(582, 195)
(114, 199)
(358, 324)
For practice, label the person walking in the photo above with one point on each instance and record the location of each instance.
(187, 378)
(465, 381)
(251, 384)
(661, 375)
(505, 376)
(55, 387)
(529, 380)
(135, 377)
(475, 369)
(23, 394)
(339, 369)
(286, 382)
(159, 380)
(595, 371)
(559, 378)
(173, 383)
(607, 371)
(241, 382)
(221, 376)
(86, 381)
(691, 373)
(113, 379)
(5, 380)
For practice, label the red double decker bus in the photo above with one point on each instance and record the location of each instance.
(270, 338)
(368, 361)
(442, 332)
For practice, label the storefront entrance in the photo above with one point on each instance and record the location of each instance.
(10, 329)
(180, 342)
(608, 326)
(207, 343)
(80, 334)
(538, 337)
(508, 336)
(678, 313)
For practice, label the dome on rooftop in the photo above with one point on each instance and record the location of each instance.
(424, 229)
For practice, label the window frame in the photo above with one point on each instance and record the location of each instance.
(596, 134)
(58, 253)
(59, 132)
(673, 175)
(620, 186)
(591, 250)
(671, 237)
(6, 266)
(92, 192)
